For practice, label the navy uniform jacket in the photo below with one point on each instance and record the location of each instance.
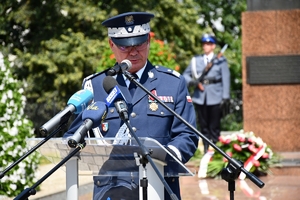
(160, 124)
(214, 93)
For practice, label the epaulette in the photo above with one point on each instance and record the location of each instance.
(167, 70)
(222, 58)
(87, 81)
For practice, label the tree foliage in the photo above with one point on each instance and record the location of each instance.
(59, 42)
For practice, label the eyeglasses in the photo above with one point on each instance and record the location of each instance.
(127, 49)
(207, 43)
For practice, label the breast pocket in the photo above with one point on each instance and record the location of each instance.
(112, 113)
(159, 120)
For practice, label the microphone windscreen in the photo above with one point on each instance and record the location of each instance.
(96, 112)
(80, 100)
(128, 63)
(109, 83)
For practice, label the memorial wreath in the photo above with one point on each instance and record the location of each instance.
(251, 150)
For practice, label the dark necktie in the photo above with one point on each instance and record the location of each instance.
(132, 85)
(207, 60)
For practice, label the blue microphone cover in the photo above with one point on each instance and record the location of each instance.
(110, 85)
(80, 100)
(96, 112)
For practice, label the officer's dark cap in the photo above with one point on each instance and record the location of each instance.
(129, 29)
(208, 38)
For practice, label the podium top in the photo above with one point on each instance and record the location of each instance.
(103, 156)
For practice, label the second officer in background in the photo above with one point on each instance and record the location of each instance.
(213, 92)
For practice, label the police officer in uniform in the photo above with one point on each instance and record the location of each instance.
(213, 92)
(129, 39)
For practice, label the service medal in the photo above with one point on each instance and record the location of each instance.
(153, 106)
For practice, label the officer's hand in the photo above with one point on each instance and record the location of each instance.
(225, 107)
(193, 83)
(168, 157)
(224, 103)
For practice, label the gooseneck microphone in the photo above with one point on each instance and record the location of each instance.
(92, 118)
(115, 97)
(125, 65)
(78, 102)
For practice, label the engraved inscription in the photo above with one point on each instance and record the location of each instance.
(273, 69)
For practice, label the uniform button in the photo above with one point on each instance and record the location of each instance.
(133, 115)
(173, 179)
(112, 110)
(162, 113)
(134, 129)
(98, 183)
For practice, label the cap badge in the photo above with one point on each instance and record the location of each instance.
(129, 20)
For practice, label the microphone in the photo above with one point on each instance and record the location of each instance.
(92, 117)
(115, 97)
(123, 66)
(78, 102)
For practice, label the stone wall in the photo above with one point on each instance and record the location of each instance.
(272, 111)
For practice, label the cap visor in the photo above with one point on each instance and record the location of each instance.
(131, 41)
(208, 40)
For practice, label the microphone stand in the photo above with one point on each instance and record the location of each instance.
(61, 126)
(234, 167)
(144, 159)
(31, 191)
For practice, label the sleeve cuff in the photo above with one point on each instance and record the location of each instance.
(176, 151)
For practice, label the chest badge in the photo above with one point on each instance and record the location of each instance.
(104, 126)
(153, 106)
(150, 74)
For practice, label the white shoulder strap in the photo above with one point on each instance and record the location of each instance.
(122, 136)
(194, 69)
